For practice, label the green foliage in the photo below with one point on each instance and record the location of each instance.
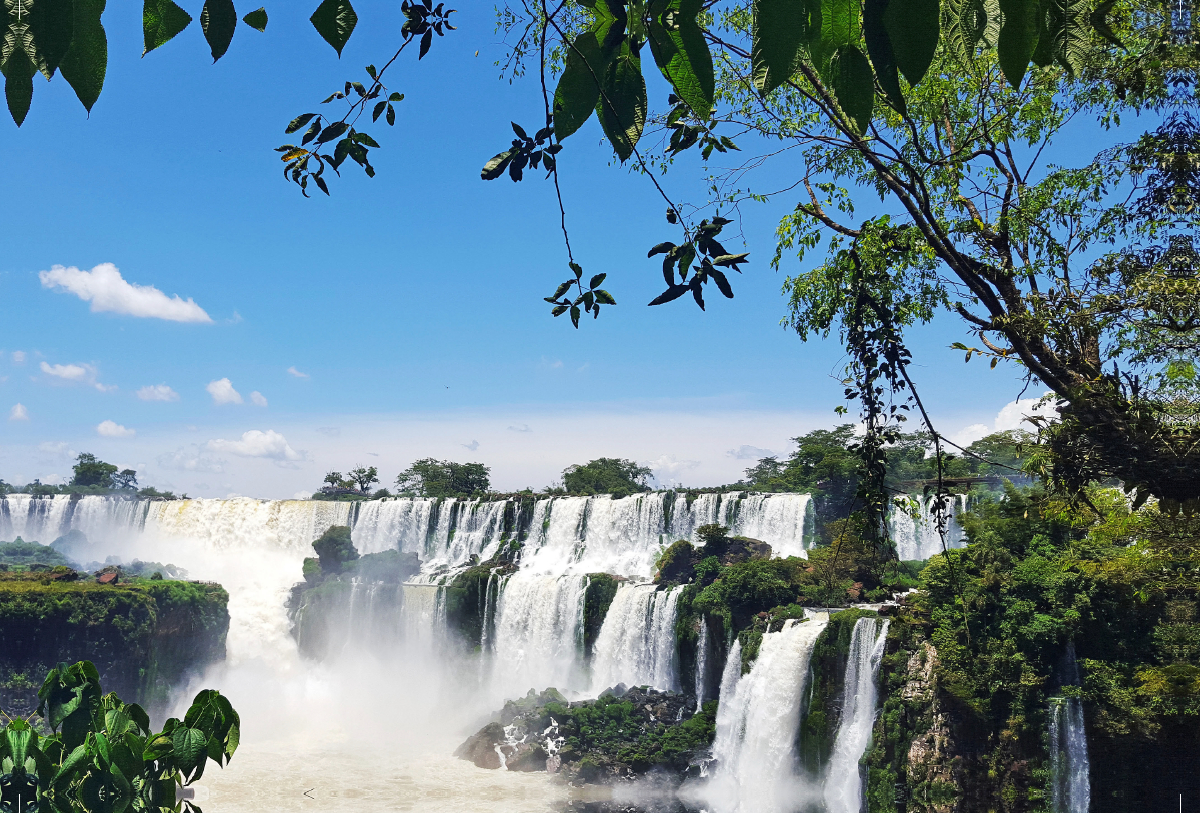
(606, 475)
(601, 590)
(442, 478)
(22, 555)
(364, 476)
(92, 472)
(101, 755)
(335, 549)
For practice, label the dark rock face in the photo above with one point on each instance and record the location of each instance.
(622, 735)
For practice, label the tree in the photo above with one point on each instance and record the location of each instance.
(606, 475)
(333, 479)
(364, 477)
(442, 478)
(92, 472)
(334, 549)
(126, 479)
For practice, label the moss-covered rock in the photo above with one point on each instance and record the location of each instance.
(470, 604)
(601, 590)
(145, 636)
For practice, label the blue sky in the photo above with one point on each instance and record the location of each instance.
(409, 304)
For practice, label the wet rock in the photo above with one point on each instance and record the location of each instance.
(480, 748)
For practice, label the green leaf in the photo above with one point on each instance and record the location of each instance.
(257, 19)
(1068, 32)
(853, 85)
(578, 92)
(604, 297)
(1018, 38)
(622, 105)
(879, 49)
(682, 54)
(218, 19)
(86, 61)
(913, 28)
(18, 84)
(494, 168)
(965, 22)
(562, 289)
(161, 21)
(189, 746)
(52, 22)
(841, 24)
(335, 21)
(597, 280)
(780, 29)
(298, 122)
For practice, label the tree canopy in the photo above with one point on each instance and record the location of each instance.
(442, 478)
(606, 475)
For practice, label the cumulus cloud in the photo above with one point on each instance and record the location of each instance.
(18, 357)
(293, 371)
(18, 413)
(668, 468)
(269, 445)
(193, 459)
(107, 290)
(1010, 416)
(112, 429)
(258, 399)
(222, 392)
(157, 392)
(472, 446)
(521, 428)
(75, 374)
(749, 453)
(59, 449)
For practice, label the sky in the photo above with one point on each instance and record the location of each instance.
(173, 305)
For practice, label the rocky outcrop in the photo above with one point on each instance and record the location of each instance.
(619, 736)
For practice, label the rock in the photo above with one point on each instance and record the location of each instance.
(480, 748)
(107, 578)
(525, 757)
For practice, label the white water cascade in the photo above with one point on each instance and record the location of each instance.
(918, 538)
(1070, 785)
(636, 644)
(758, 718)
(539, 633)
(701, 666)
(843, 782)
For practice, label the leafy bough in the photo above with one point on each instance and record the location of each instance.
(102, 756)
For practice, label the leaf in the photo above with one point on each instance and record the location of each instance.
(332, 131)
(965, 21)
(1069, 34)
(257, 19)
(604, 297)
(218, 20)
(853, 85)
(597, 280)
(622, 105)
(426, 41)
(494, 168)
(562, 289)
(378, 111)
(1018, 38)
(682, 54)
(161, 21)
(335, 21)
(661, 248)
(575, 316)
(578, 92)
(670, 295)
(722, 282)
(189, 748)
(51, 22)
(18, 85)
(86, 61)
(298, 122)
(913, 28)
(879, 49)
(1099, 21)
(780, 29)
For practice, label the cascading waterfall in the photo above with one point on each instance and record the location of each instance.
(757, 721)
(843, 783)
(539, 633)
(919, 538)
(701, 665)
(1070, 785)
(636, 644)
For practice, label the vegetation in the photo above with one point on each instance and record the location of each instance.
(443, 478)
(101, 755)
(335, 550)
(606, 475)
(21, 555)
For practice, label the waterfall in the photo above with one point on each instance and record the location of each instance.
(758, 720)
(701, 664)
(539, 632)
(919, 538)
(1070, 788)
(777, 518)
(843, 784)
(636, 644)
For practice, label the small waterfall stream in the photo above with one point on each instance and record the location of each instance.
(636, 644)
(918, 538)
(701, 666)
(843, 783)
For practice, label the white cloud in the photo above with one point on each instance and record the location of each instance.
(269, 445)
(112, 429)
(193, 459)
(107, 290)
(157, 392)
(258, 399)
(1010, 416)
(293, 371)
(59, 449)
(968, 435)
(667, 468)
(18, 413)
(472, 446)
(18, 357)
(76, 374)
(524, 427)
(222, 392)
(749, 453)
